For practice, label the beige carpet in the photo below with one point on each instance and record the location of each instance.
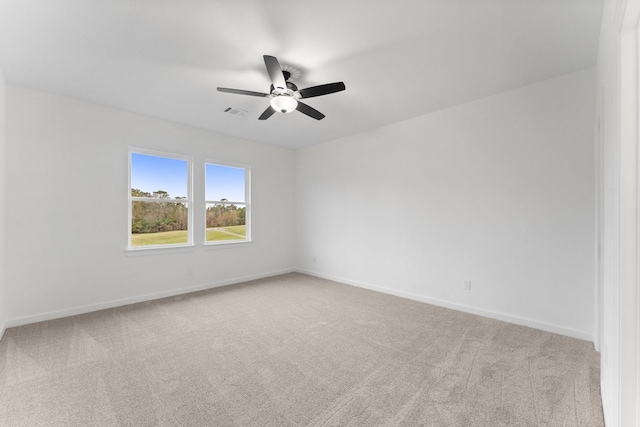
(293, 350)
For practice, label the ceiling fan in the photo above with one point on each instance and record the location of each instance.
(285, 96)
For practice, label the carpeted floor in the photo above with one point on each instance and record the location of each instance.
(293, 350)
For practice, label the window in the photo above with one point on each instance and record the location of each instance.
(159, 200)
(227, 213)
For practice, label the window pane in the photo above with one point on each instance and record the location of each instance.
(158, 223)
(163, 218)
(224, 183)
(155, 176)
(226, 222)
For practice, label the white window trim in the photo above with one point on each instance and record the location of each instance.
(130, 199)
(246, 203)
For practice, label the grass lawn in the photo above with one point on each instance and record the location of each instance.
(164, 238)
(236, 232)
(237, 229)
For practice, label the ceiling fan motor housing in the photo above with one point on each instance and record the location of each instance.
(291, 88)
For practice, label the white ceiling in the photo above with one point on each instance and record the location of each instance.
(398, 59)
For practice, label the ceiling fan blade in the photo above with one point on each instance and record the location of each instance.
(312, 91)
(242, 92)
(275, 72)
(309, 111)
(267, 113)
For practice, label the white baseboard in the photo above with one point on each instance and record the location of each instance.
(421, 298)
(509, 318)
(50, 315)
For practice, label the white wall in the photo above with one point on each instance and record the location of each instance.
(66, 208)
(606, 108)
(618, 80)
(499, 191)
(3, 303)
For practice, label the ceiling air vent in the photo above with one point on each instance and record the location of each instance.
(235, 111)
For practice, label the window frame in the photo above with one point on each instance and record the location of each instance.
(189, 200)
(246, 203)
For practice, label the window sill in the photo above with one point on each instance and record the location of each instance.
(156, 250)
(225, 244)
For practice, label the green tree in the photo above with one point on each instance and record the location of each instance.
(153, 217)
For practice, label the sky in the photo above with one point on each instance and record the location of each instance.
(224, 182)
(153, 173)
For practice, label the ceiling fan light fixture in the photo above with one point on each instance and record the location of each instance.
(284, 103)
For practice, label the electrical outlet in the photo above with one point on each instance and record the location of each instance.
(467, 285)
